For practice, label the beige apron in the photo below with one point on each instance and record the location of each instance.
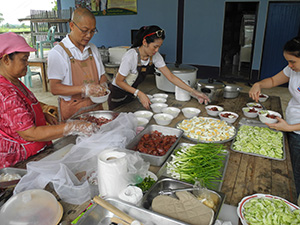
(83, 72)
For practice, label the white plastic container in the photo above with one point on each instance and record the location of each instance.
(182, 95)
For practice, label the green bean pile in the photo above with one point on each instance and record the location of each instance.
(201, 162)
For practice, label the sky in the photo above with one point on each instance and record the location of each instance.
(13, 10)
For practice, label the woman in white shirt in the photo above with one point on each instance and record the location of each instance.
(139, 61)
(290, 74)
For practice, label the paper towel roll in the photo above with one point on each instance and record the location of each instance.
(112, 173)
(131, 194)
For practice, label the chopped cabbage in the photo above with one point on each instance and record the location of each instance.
(265, 211)
(259, 140)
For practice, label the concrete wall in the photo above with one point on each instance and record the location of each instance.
(203, 28)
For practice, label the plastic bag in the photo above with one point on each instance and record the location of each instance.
(205, 196)
(70, 174)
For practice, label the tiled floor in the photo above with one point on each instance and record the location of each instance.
(48, 98)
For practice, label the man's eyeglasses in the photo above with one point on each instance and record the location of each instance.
(159, 33)
(85, 32)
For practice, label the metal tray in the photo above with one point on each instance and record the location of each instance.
(254, 154)
(169, 183)
(156, 160)
(10, 170)
(98, 215)
(100, 113)
(218, 185)
(201, 141)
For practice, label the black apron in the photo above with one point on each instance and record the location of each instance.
(119, 96)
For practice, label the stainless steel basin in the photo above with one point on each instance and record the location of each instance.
(97, 215)
(165, 183)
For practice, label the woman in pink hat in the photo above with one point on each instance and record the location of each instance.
(23, 129)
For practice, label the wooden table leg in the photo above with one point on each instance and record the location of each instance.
(44, 77)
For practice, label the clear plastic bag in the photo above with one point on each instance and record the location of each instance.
(69, 175)
(205, 196)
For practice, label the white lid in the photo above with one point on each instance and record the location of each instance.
(31, 207)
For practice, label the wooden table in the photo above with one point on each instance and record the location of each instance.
(42, 63)
(245, 174)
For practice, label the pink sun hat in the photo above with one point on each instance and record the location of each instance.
(11, 42)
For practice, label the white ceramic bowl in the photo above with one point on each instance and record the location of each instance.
(142, 122)
(100, 99)
(263, 97)
(264, 116)
(229, 117)
(172, 111)
(157, 107)
(211, 112)
(150, 96)
(190, 112)
(158, 100)
(144, 113)
(160, 95)
(163, 118)
(248, 112)
(255, 105)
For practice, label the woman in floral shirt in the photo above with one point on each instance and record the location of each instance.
(23, 129)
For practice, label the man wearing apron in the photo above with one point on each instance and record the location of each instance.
(75, 68)
(118, 96)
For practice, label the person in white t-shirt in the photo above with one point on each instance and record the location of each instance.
(139, 61)
(290, 74)
(75, 68)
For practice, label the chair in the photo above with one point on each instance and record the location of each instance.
(49, 41)
(27, 78)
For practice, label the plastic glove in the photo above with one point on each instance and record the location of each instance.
(201, 97)
(104, 85)
(79, 127)
(93, 90)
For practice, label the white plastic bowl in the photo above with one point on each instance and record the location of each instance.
(144, 113)
(142, 122)
(160, 95)
(250, 114)
(163, 118)
(212, 112)
(190, 112)
(157, 107)
(158, 100)
(172, 111)
(263, 97)
(255, 105)
(231, 118)
(263, 116)
(100, 99)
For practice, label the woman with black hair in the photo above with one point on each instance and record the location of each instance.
(139, 61)
(290, 74)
